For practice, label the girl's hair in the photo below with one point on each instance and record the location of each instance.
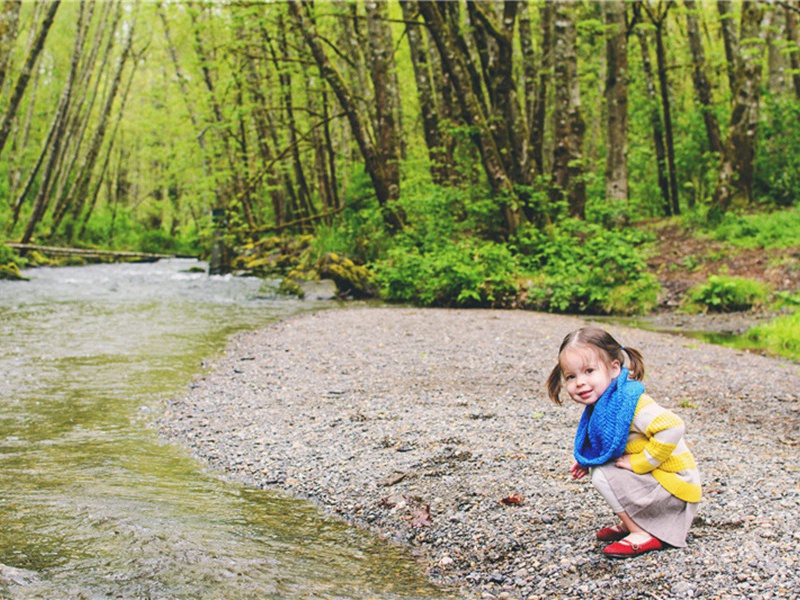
(609, 348)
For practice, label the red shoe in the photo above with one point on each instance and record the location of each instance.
(611, 534)
(626, 549)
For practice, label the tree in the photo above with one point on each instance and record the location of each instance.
(735, 181)
(569, 124)
(616, 102)
(423, 76)
(456, 63)
(658, 16)
(25, 73)
(702, 86)
(386, 192)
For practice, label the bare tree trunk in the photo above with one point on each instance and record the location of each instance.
(569, 124)
(9, 20)
(262, 126)
(702, 86)
(775, 32)
(730, 40)
(104, 168)
(537, 132)
(505, 117)
(80, 118)
(56, 135)
(79, 191)
(236, 186)
(387, 96)
(427, 104)
(305, 207)
(658, 17)
(446, 107)
(655, 121)
(616, 102)
(385, 192)
(792, 43)
(472, 108)
(531, 74)
(735, 181)
(25, 74)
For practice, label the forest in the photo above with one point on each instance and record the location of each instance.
(463, 153)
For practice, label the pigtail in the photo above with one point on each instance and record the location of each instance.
(636, 363)
(554, 384)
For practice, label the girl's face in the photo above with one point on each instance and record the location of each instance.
(587, 373)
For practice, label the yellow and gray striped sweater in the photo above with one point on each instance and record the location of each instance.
(656, 445)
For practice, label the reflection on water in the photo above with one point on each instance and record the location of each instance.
(93, 504)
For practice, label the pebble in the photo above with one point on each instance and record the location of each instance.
(335, 406)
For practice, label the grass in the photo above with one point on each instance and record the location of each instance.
(780, 337)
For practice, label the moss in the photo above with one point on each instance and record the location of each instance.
(350, 279)
(11, 271)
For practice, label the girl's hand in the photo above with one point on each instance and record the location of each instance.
(624, 462)
(578, 471)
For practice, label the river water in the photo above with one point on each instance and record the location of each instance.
(93, 504)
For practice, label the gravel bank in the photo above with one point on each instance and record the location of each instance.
(419, 423)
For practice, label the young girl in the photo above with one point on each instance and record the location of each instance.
(633, 448)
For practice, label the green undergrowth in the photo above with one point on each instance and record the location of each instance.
(721, 293)
(780, 337)
(777, 229)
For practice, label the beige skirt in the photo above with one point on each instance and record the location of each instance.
(651, 506)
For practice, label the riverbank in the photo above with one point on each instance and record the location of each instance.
(431, 427)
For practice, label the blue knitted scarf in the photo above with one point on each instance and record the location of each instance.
(604, 426)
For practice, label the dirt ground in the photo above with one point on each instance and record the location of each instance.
(679, 261)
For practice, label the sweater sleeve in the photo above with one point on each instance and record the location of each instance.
(661, 429)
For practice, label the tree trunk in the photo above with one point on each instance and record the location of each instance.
(262, 127)
(730, 40)
(655, 120)
(472, 109)
(386, 193)
(506, 119)
(109, 150)
(387, 96)
(702, 86)
(80, 118)
(9, 20)
(427, 103)
(792, 45)
(735, 181)
(537, 131)
(56, 134)
(305, 207)
(569, 124)
(530, 76)
(79, 190)
(616, 102)
(25, 74)
(236, 186)
(774, 31)
(659, 20)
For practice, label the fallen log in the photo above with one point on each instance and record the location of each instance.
(93, 253)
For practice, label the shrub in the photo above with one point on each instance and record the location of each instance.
(464, 273)
(721, 293)
(581, 267)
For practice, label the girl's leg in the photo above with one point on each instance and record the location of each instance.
(601, 483)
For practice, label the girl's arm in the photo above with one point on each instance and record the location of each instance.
(662, 431)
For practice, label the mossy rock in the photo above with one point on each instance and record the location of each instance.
(11, 271)
(350, 279)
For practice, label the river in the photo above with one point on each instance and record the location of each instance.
(93, 504)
